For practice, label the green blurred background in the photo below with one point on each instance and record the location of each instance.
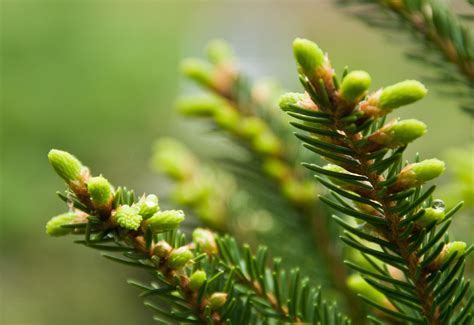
(99, 79)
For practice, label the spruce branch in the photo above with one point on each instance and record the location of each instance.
(235, 107)
(415, 273)
(209, 280)
(440, 29)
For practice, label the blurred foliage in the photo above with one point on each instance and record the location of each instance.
(111, 68)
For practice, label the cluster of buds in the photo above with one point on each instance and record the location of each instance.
(235, 114)
(250, 128)
(197, 186)
(350, 102)
(97, 194)
(177, 258)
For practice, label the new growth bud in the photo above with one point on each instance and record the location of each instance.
(199, 106)
(66, 165)
(227, 117)
(199, 71)
(288, 99)
(398, 133)
(219, 51)
(355, 85)
(148, 206)
(205, 240)
(251, 127)
(418, 173)
(197, 280)
(179, 257)
(101, 192)
(127, 217)
(217, 300)
(435, 214)
(400, 94)
(455, 247)
(276, 168)
(267, 144)
(309, 57)
(55, 228)
(165, 220)
(173, 158)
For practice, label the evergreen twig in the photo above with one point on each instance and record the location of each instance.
(404, 233)
(210, 280)
(440, 29)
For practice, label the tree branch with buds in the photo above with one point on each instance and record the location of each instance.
(209, 280)
(397, 224)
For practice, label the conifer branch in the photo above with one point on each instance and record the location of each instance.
(399, 225)
(239, 110)
(210, 280)
(441, 29)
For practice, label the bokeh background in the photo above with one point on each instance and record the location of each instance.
(99, 79)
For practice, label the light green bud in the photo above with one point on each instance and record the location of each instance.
(217, 300)
(173, 158)
(251, 127)
(267, 144)
(148, 206)
(418, 173)
(192, 192)
(199, 105)
(199, 71)
(276, 168)
(227, 117)
(402, 93)
(308, 55)
(127, 217)
(54, 226)
(435, 213)
(357, 284)
(398, 133)
(165, 220)
(100, 191)
(197, 279)
(179, 257)
(288, 99)
(66, 165)
(219, 51)
(455, 247)
(355, 85)
(299, 192)
(205, 239)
